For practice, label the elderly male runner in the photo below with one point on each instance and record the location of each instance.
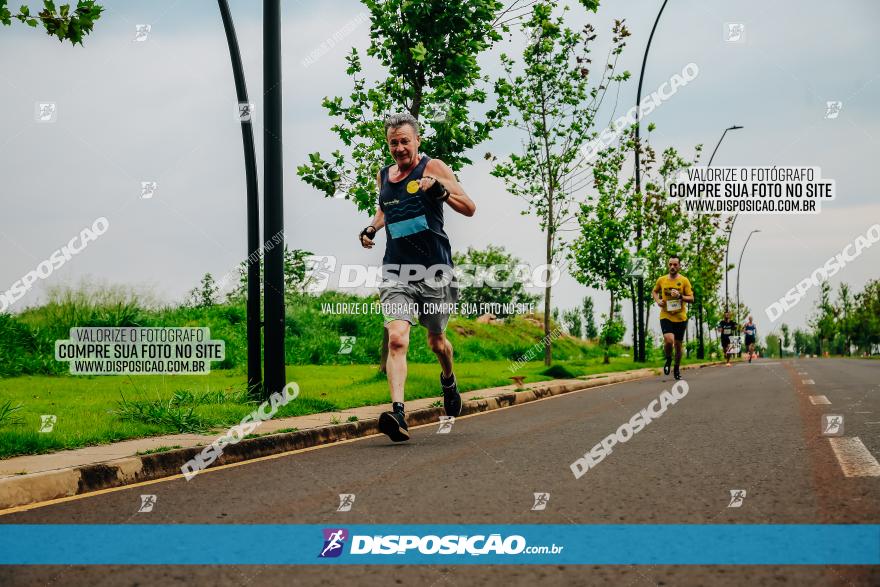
(671, 292)
(417, 267)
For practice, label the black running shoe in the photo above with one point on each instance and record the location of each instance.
(667, 365)
(394, 425)
(451, 397)
(676, 374)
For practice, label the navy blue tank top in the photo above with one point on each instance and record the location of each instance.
(413, 222)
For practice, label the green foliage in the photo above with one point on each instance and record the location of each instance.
(428, 54)
(27, 340)
(552, 97)
(298, 275)
(58, 21)
(178, 417)
(590, 330)
(8, 413)
(613, 329)
(205, 295)
(851, 322)
(572, 320)
(475, 261)
(600, 253)
(771, 348)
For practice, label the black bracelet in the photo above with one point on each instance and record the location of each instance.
(437, 191)
(368, 232)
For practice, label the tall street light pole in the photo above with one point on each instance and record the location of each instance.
(739, 270)
(273, 220)
(254, 356)
(701, 349)
(732, 222)
(640, 319)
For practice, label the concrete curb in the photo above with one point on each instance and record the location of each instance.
(48, 485)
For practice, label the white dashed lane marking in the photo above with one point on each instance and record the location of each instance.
(819, 400)
(808, 382)
(854, 458)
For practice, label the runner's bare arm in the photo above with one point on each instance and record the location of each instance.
(687, 293)
(377, 222)
(458, 199)
(655, 294)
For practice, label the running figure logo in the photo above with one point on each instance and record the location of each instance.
(245, 111)
(46, 112)
(47, 422)
(148, 502)
(735, 32)
(318, 271)
(148, 189)
(446, 423)
(832, 109)
(832, 425)
(334, 540)
(541, 500)
(737, 496)
(346, 344)
(346, 500)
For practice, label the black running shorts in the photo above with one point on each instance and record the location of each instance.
(675, 328)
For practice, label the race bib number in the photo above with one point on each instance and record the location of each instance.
(673, 305)
(726, 331)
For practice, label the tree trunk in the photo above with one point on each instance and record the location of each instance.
(607, 358)
(635, 335)
(548, 352)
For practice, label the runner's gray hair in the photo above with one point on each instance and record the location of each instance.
(399, 119)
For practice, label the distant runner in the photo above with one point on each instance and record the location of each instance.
(751, 331)
(412, 196)
(726, 328)
(671, 292)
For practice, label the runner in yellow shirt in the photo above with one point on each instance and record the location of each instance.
(672, 292)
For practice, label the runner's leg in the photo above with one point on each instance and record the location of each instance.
(443, 349)
(398, 344)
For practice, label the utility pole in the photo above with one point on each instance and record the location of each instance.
(254, 356)
(273, 219)
(639, 351)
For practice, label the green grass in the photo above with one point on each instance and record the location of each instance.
(156, 450)
(88, 407)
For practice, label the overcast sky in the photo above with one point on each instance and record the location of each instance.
(163, 110)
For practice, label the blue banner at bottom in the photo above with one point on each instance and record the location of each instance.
(485, 544)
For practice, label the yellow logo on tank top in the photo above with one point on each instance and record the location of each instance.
(412, 187)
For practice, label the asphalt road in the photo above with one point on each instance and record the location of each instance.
(750, 427)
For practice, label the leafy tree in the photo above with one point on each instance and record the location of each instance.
(845, 304)
(600, 254)
(589, 319)
(786, 340)
(492, 269)
(297, 274)
(664, 226)
(573, 322)
(205, 295)
(823, 322)
(866, 319)
(428, 53)
(59, 22)
(613, 330)
(801, 342)
(551, 99)
(772, 342)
